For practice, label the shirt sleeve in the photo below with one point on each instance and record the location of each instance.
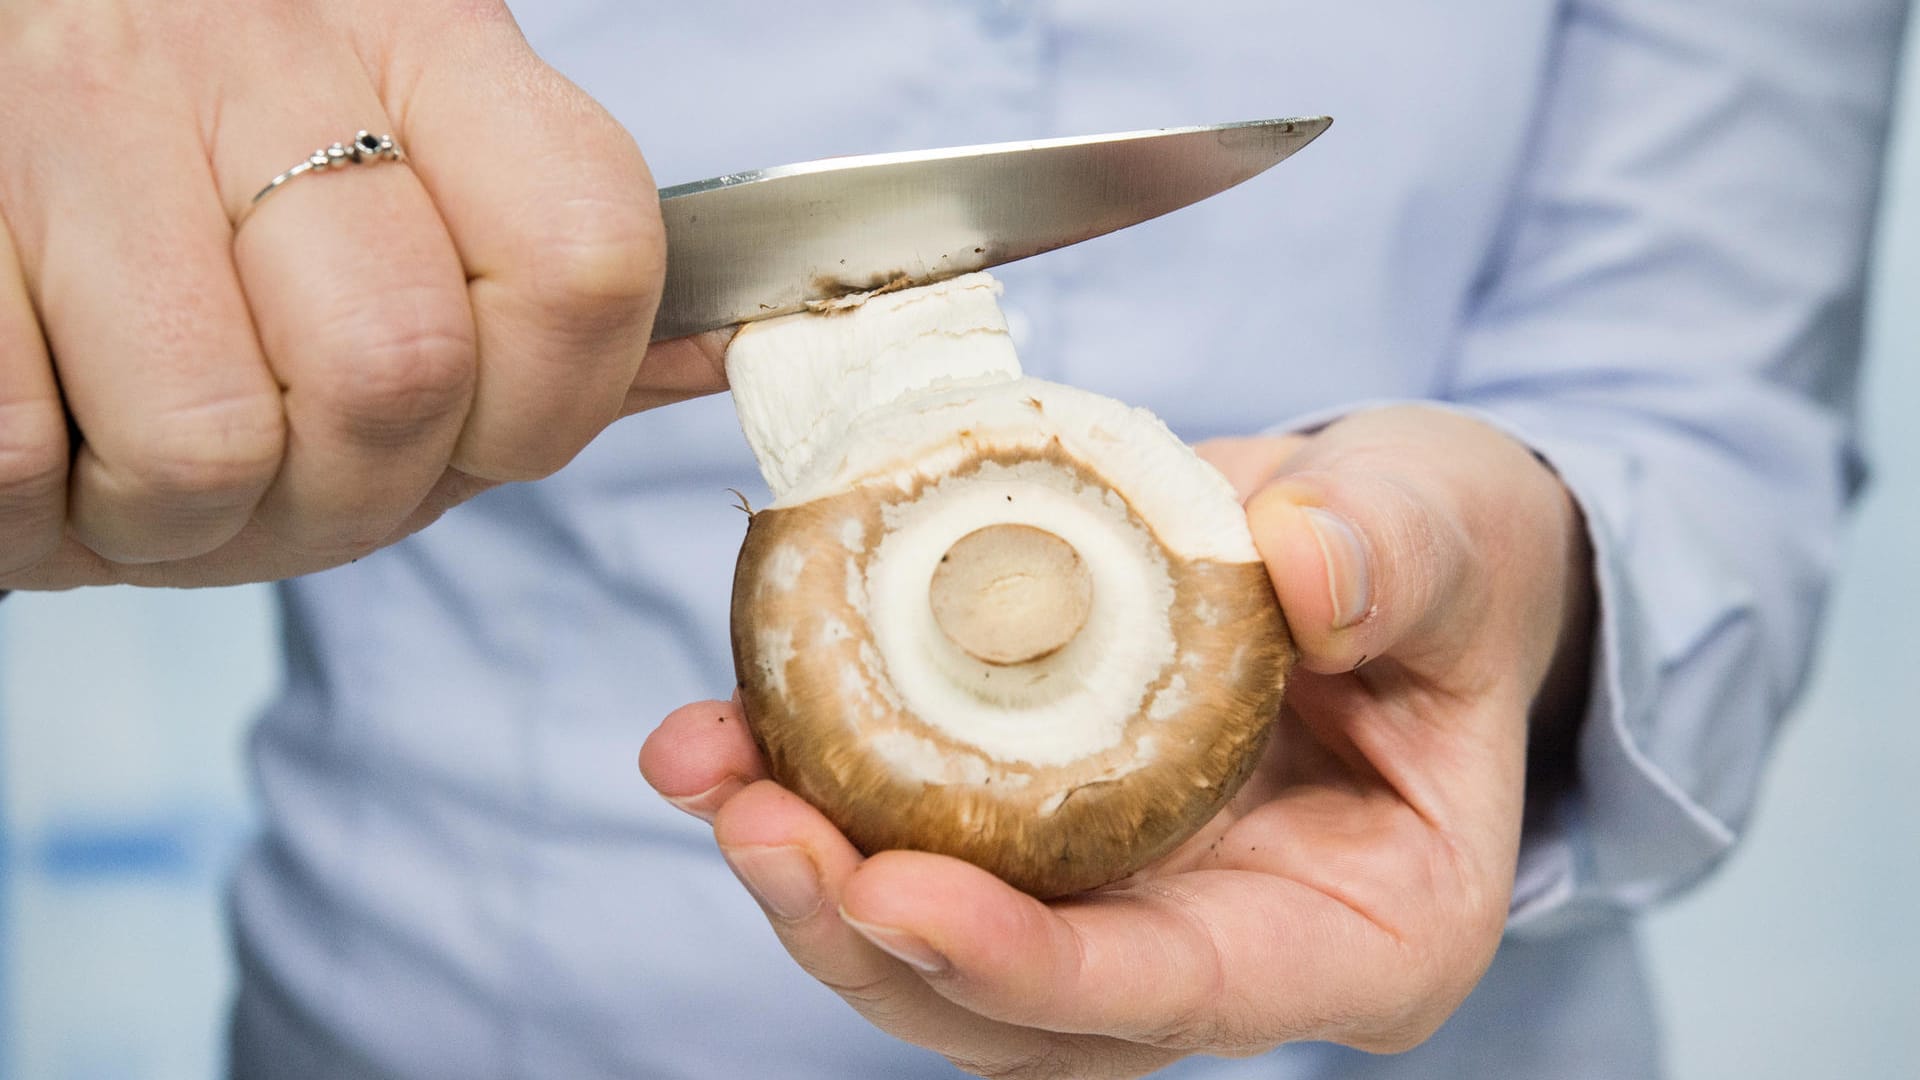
(1672, 320)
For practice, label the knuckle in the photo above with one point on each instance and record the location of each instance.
(601, 265)
(209, 452)
(1199, 1015)
(414, 367)
(43, 39)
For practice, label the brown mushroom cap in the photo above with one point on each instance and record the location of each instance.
(989, 616)
(835, 730)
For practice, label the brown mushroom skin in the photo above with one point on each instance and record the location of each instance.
(1047, 831)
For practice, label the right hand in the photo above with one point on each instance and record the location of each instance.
(184, 403)
(1438, 585)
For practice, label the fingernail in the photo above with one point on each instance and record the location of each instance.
(782, 878)
(909, 949)
(1346, 556)
(706, 804)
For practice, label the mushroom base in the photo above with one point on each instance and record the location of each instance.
(833, 729)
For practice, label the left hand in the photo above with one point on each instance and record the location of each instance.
(1436, 579)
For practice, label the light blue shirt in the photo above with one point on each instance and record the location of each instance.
(1631, 232)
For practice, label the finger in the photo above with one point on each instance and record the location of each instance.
(795, 863)
(700, 756)
(679, 369)
(154, 345)
(359, 297)
(1366, 534)
(1248, 463)
(33, 427)
(558, 225)
(1222, 962)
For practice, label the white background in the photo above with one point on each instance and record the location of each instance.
(121, 802)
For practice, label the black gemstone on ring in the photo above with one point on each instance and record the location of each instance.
(369, 142)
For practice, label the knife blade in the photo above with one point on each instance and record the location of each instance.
(753, 245)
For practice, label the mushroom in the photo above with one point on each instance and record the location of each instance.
(987, 615)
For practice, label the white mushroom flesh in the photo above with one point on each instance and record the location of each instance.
(1060, 708)
(799, 382)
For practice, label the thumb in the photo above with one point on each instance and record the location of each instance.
(678, 369)
(1366, 535)
(1361, 564)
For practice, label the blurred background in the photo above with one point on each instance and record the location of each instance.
(122, 803)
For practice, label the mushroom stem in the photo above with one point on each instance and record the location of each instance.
(1011, 594)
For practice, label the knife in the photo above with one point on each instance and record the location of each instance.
(753, 245)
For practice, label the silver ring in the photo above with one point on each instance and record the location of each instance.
(365, 148)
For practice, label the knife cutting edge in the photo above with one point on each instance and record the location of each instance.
(753, 245)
